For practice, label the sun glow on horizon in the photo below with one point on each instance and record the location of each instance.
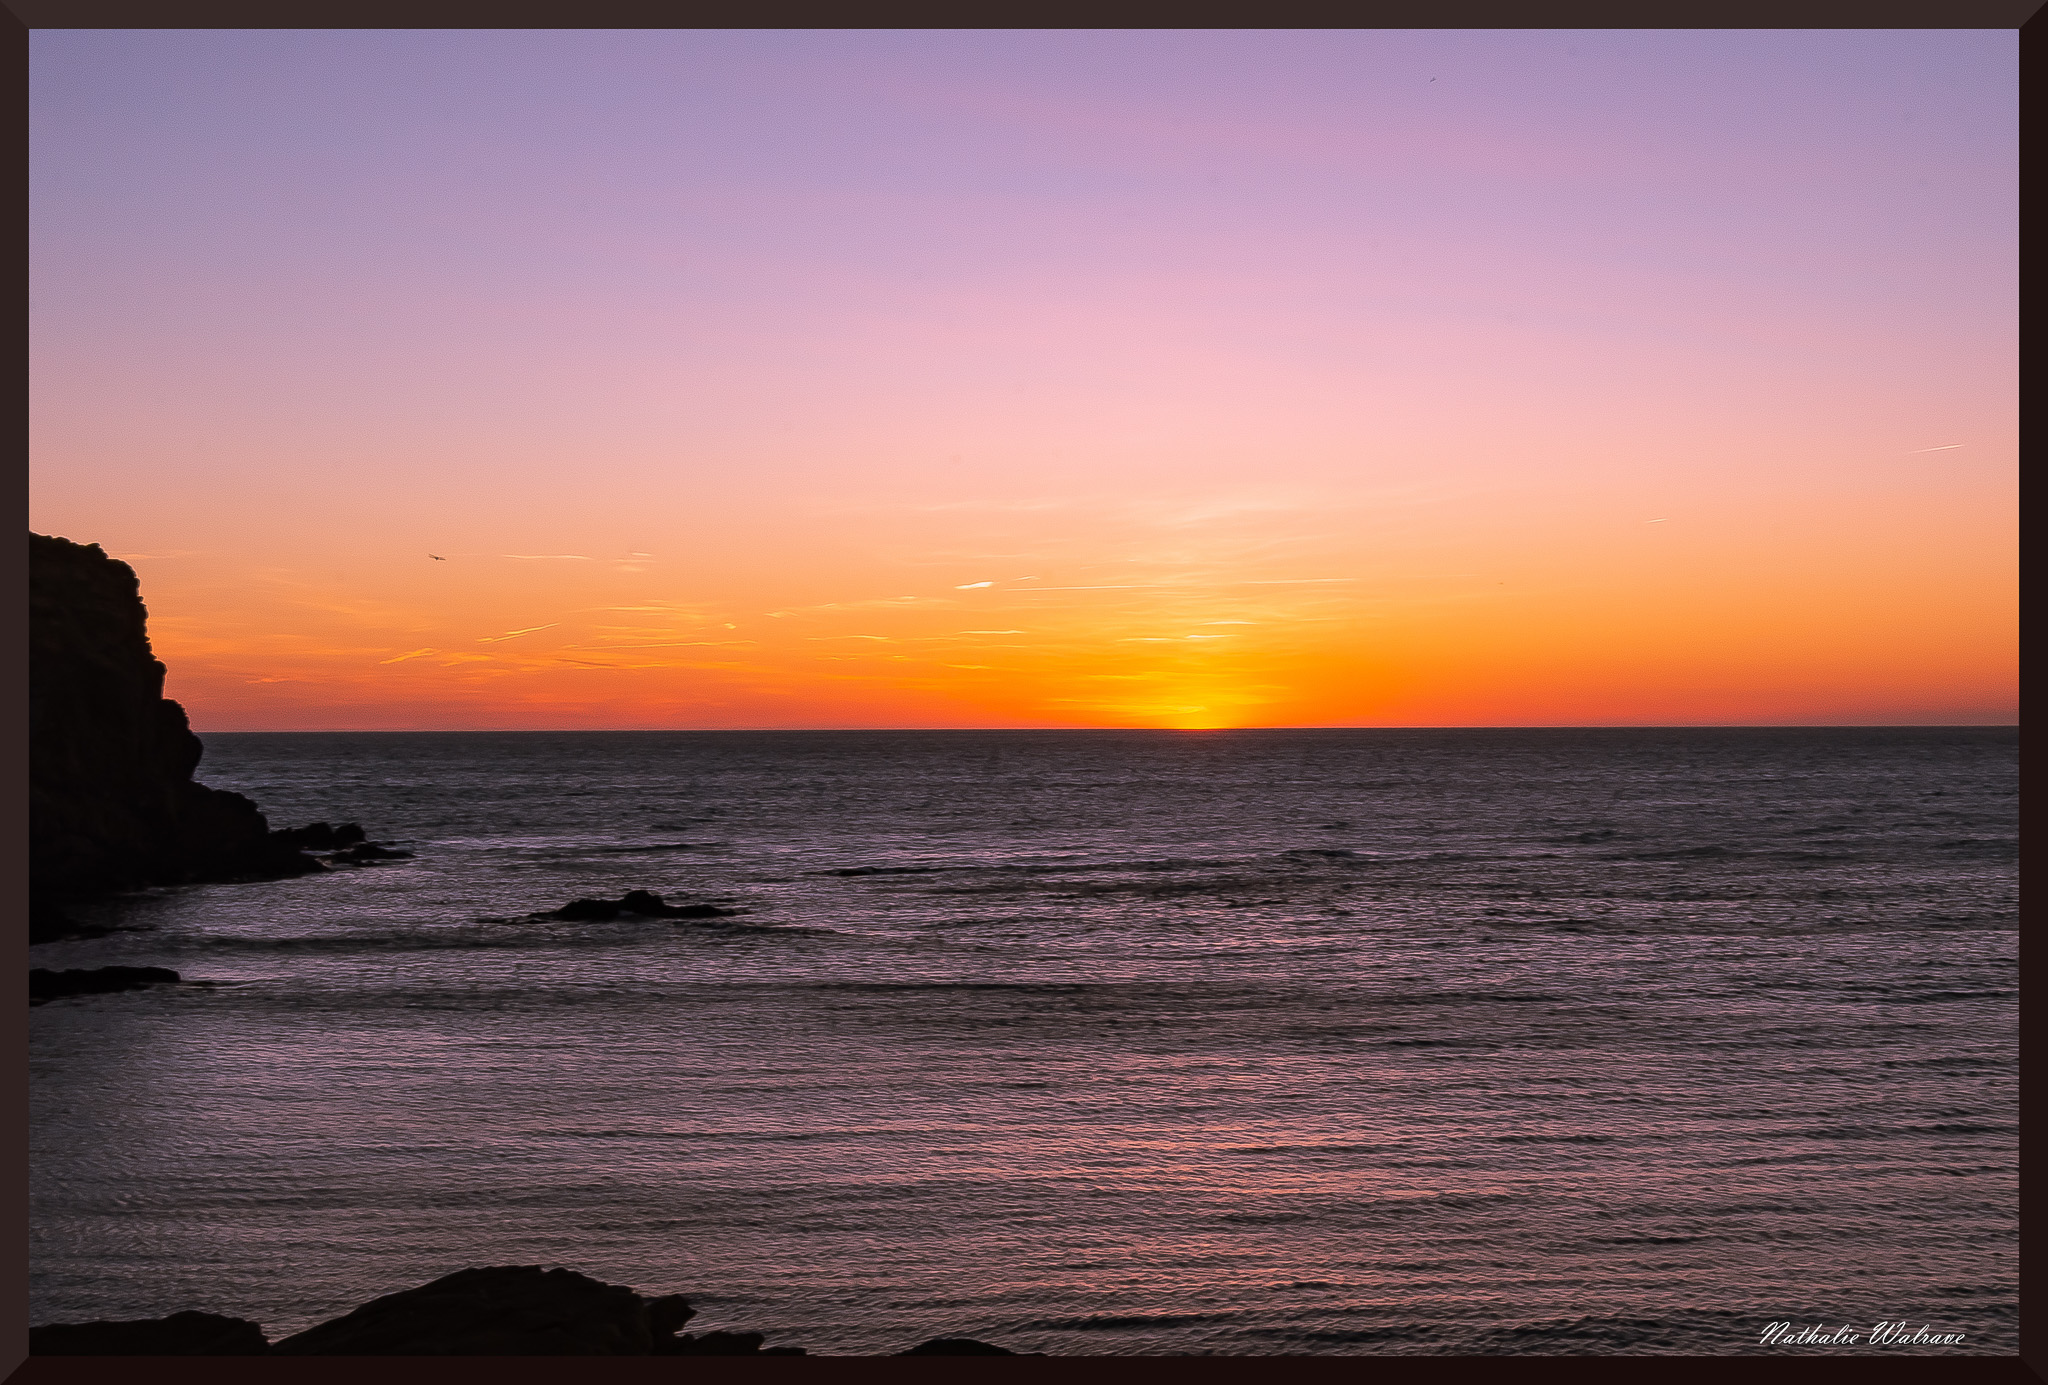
(1001, 378)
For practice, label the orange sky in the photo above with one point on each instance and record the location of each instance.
(1125, 380)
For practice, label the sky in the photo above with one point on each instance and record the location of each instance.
(679, 379)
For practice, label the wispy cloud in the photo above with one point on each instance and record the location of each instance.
(515, 634)
(675, 644)
(417, 653)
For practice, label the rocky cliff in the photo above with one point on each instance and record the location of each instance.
(112, 801)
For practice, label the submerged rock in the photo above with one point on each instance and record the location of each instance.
(181, 1334)
(514, 1310)
(640, 903)
(49, 985)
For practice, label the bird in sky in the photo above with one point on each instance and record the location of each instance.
(437, 557)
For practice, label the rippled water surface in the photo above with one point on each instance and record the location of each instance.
(1081, 1042)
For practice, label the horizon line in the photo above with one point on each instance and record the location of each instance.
(1161, 730)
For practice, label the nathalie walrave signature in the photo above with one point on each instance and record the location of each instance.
(1785, 1334)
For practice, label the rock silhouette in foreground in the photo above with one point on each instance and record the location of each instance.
(49, 985)
(515, 1310)
(501, 1310)
(112, 801)
(723, 1344)
(642, 903)
(956, 1346)
(181, 1334)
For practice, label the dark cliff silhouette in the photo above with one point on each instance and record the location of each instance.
(112, 801)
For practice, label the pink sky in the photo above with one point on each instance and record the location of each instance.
(1273, 378)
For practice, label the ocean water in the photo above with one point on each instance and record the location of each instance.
(1104, 1043)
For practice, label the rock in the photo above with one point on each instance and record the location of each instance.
(49, 985)
(724, 1344)
(956, 1346)
(586, 910)
(517, 1310)
(716, 1344)
(48, 923)
(506, 1310)
(642, 903)
(666, 1314)
(368, 852)
(112, 801)
(181, 1334)
(320, 836)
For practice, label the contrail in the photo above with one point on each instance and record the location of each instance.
(1945, 447)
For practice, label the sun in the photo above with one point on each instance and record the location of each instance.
(1204, 708)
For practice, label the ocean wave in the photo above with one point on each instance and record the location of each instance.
(350, 942)
(532, 934)
(657, 846)
(886, 870)
(1033, 868)
(1398, 1332)
(1114, 1322)
(1033, 987)
(1679, 1331)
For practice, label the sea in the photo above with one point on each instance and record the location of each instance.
(1109, 1043)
